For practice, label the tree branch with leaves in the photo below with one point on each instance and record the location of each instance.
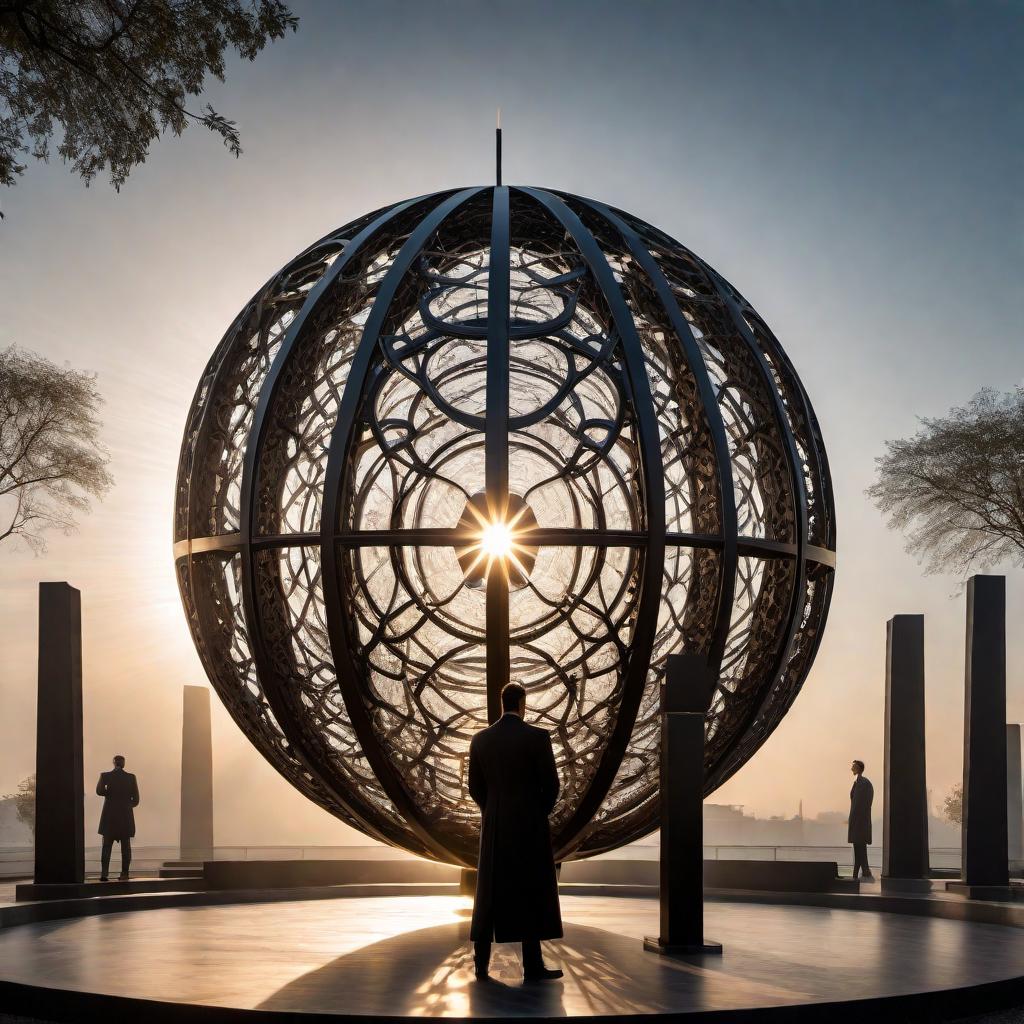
(956, 488)
(25, 801)
(953, 805)
(51, 459)
(113, 75)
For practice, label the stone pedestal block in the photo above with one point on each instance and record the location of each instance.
(905, 792)
(60, 788)
(983, 831)
(196, 835)
(685, 698)
(1014, 808)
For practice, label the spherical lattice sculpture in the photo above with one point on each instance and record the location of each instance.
(493, 433)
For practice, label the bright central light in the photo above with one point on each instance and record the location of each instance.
(496, 540)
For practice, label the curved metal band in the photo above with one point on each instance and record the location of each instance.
(224, 349)
(824, 557)
(799, 502)
(334, 500)
(221, 357)
(654, 499)
(815, 447)
(274, 687)
(713, 412)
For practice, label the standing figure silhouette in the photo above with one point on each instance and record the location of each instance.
(859, 831)
(512, 777)
(120, 793)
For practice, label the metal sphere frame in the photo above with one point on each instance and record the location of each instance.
(548, 360)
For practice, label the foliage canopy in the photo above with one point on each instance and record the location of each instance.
(51, 460)
(112, 75)
(956, 488)
(953, 805)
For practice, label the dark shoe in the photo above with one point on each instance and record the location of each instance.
(542, 974)
(481, 974)
(103, 878)
(123, 877)
(867, 878)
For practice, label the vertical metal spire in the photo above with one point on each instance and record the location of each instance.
(496, 466)
(497, 147)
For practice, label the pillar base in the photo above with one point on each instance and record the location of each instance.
(655, 945)
(906, 885)
(1000, 893)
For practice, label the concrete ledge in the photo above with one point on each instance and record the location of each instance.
(14, 914)
(274, 874)
(766, 875)
(776, 876)
(1009, 915)
(89, 890)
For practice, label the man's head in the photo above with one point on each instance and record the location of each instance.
(857, 767)
(119, 760)
(513, 698)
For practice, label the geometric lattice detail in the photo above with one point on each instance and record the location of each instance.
(528, 353)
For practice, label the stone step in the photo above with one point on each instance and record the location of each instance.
(181, 872)
(47, 891)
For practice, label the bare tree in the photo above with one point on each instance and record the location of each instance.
(25, 801)
(112, 75)
(956, 488)
(51, 460)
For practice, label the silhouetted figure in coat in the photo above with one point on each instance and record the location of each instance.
(120, 794)
(859, 829)
(512, 777)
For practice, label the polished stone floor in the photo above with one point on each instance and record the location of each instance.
(409, 956)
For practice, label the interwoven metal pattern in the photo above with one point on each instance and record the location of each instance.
(487, 359)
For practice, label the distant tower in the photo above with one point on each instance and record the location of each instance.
(196, 837)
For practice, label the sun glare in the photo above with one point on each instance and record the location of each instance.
(496, 540)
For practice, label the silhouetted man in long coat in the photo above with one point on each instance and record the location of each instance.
(512, 777)
(120, 793)
(859, 828)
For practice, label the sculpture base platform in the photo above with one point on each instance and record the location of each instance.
(357, 958)
(654, 945)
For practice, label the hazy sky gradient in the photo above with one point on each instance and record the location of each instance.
(854, 169)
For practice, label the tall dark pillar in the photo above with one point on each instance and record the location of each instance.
(685, 698)
(196, 836)
(905, 801)
(60, 788)
(1014, 806)
(984, 835)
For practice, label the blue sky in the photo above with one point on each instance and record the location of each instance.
(854, 168)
